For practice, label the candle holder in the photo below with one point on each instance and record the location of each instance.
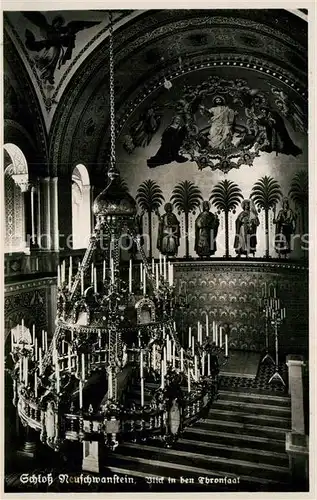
(276, 320)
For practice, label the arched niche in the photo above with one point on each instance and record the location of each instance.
(81, 207)
(16, 183)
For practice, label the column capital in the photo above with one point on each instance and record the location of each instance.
(294, 360)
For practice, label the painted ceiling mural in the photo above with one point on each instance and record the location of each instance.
(219, 123)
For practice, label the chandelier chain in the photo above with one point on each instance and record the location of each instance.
(112, 103)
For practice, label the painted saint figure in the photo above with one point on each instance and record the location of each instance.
(168, 232)
(221, 119)
(206, 230)
(285, 226)
(172, 139)
(246, 225)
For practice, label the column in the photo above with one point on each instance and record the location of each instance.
(297, 445)
(46, 236)
(54, 214)
(90, 456)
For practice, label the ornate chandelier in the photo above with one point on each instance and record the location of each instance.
(115, 329)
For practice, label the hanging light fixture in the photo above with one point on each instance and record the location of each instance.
(71, 389)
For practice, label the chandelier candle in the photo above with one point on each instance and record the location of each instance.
(226, 345)
(130, 276)
(157, 276)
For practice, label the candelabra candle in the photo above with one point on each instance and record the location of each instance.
(165, 358)
(163, 332)
(190, 337)
(112, 270)
(154, 357)
(144, 281)
(80, 394)
(162, 374)
(82, 282)
(172, 275)
(63, 271)
(43, 341)
(153, 265)
(203, 364)
(196, 367)
(216, 334)
(157, 276)
(160, 262)
(220, 336)
(22, 326)
(173, 355)
(35, 350)
(95, 280)
(12, 341)
(208, 365)
(35, 384)
(130, 276)
(26, 372)
(141, 274)
(69, 360)
(193, 346)
(182, 359)
(21, 369)
(45, 337)
(164, 267)
(275, 293)
(139, 338)
(103, 270)
(188, 379)
(58, 276)
(110, 384)
(141, 377)
(213, 331)
(198, 332)
(174, 326)
(57, 376)
(226, 345)
(83, 371)
(92, 275)
(207, 325)
(40, 361)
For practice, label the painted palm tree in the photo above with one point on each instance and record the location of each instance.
(186, 197)
(265, 193)
(226, 195)
(150, 198)
(299, 194)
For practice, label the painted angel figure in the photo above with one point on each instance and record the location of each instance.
(57, 42)
(289, 110)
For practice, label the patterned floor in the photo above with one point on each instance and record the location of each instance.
(261, 382)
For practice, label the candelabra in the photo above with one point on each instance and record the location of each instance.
(274, 315)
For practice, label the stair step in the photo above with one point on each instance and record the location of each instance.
(245, 417)
(229, 450)
(254, 398)
(252, 408)
(143, 467)
(244, 428)
(185, 458)
(238, 439)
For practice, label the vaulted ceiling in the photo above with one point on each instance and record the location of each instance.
(68, 118)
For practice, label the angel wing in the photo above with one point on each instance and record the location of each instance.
(39, 20)
(74, 26)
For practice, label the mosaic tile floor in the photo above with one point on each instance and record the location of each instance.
(261, 382)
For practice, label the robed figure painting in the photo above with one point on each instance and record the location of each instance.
(285, 227)
(168, 232)
(246, 225)
(206, 230)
